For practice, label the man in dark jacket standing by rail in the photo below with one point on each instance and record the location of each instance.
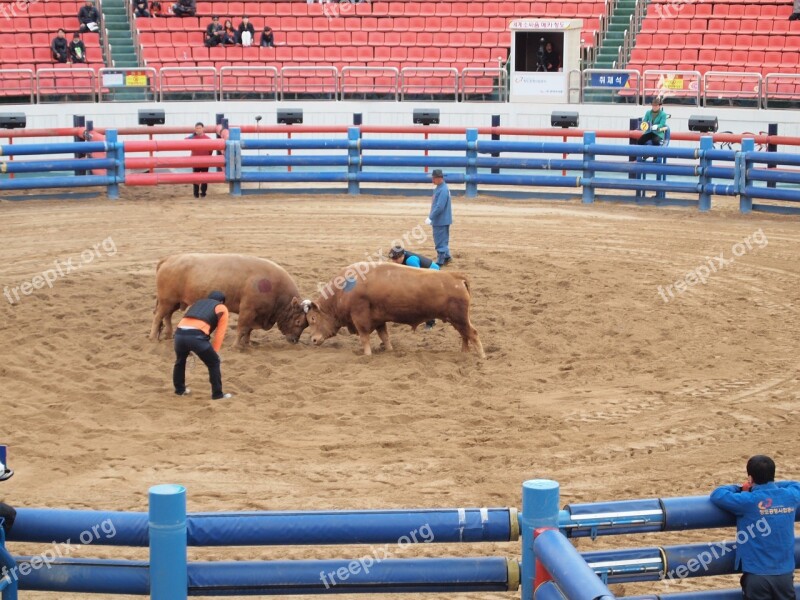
(200, 189)
(440, 218)
(201, 319)
(7, 513)
(765, 514)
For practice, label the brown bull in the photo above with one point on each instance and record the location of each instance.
(260, 291)
(364, 297)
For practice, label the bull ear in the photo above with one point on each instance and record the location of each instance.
(295, 301)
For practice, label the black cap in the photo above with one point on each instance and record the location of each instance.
(437, 173)
(396, 251)
(217, 295)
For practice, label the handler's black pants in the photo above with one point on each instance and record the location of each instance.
(8, 514)
(202, 188)
(194, 340)
(768, 587)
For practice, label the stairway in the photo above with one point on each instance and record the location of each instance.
(609, 47)
(123, 54)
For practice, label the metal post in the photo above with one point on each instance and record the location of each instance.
(79, 121)
(168, 564)
(472, 162)
(772, 129)
(634, 125)
(745, 201)
(233, 164)
(495, 137)
(588, 174)
(353, 159)
(539, 509)
(706, 143)
(111, 142)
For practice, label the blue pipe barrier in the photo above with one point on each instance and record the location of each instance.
(549, 591)
(539, 509)
(168, 562)
(86, 576)
(295, 160)
(56, 182)
(8, 583)
(452, 525)
(735, 594)
(41, 166)
(745, 201)
(706, 144)
(54, 148)
(365, 575)
(588, 172)
(368, 574)
(353, 158)
(776, 176)
(112, 189)
(293, 144)
(233, 161)
(569, 570)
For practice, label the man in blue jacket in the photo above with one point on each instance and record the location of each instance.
(765, 514)
(401, 256)
(440, 218)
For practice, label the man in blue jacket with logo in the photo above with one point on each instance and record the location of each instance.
(440, 218)
(765, 514)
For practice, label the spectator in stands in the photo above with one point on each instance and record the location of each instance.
(654, 125)
(89, 18)
(247, 33)
(214, 33)
(77, 49)
(795, 11)
(552, 60)
(267, 38)
(229, 34)
(140, 8)
(155, 9)
(184, 8)
(59, 47)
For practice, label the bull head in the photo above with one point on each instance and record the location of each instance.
(294, 322)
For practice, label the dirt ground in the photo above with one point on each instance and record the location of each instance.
(594, 376)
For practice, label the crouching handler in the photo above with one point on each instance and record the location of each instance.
(194, 335)
(401, 256)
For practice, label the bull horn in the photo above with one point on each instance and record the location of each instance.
(306, 304)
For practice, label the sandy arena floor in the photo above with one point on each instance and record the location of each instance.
(591, 378)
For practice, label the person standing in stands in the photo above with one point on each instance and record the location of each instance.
(795, 11)
(765, 514)
(193, 334)
(184, 8)
(199, 134)
(214, 33)
(7, 513)
(440, 218)
(140, 8)
(654, 125)
(77, 49)
(89, 18)
(551, 58)
(59, 47)
(268, 38)
(247, 33)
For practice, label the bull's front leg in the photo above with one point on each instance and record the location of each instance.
(383, 333)
(364, 336)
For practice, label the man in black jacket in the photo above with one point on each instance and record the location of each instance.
(7, 513)
(214, 33)
(140, 9)
(77, 49)
(184, 8)
(89, 18)
(59, 47)
(246, 27)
